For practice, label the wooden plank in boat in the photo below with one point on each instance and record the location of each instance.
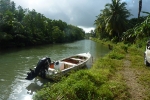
(76, 59)
(68, 63)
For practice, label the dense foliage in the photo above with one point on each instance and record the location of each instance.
(139, 32)
(112, 21)
(24, 27)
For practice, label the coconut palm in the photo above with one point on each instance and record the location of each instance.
(116, 19)
(100, 24)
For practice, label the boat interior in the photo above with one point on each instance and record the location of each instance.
(68, 62)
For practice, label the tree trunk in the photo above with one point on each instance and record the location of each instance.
(140, 7)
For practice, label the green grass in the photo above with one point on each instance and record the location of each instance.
(103, 81)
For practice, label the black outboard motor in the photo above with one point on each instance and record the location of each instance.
(40, 70)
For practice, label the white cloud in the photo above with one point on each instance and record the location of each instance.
(87, 29)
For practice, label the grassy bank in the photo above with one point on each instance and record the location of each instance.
(121, 74)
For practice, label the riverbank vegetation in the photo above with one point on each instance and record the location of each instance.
(23, 27)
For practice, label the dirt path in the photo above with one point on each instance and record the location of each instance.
(130, 75)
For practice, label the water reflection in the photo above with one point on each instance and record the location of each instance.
(25, 89)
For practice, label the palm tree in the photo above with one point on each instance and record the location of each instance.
(100, 24)
(140, 7)
(116, 18)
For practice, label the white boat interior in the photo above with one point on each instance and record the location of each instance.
(67, 63)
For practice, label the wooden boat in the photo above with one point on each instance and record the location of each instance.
(54, 70)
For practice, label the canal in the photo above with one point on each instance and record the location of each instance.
(14, 64)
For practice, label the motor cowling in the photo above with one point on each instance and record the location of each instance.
(40, 69)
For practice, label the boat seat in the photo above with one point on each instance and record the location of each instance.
(68, 63)
(76, 59)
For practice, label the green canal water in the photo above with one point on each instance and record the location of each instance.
(14, 64)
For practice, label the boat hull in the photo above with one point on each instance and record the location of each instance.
(57, 74)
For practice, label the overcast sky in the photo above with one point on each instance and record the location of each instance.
(81, 13)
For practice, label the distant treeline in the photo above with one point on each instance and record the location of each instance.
(23, 27)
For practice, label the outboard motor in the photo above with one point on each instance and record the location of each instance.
(40, 70)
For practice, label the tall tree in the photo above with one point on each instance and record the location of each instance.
(100, 24)
(117, 18)
(22, 27)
